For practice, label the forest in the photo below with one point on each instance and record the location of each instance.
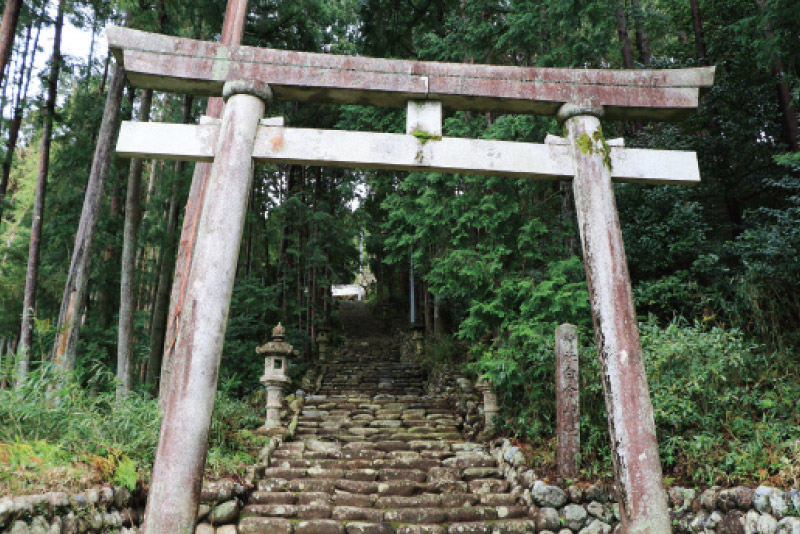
(89, 246)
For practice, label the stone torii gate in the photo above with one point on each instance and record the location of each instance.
(248, 78)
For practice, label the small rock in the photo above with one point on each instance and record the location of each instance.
(226, 512)
(751, 522)
(227, 529)
(731, 523)
(777, 501)
(527, 478)
(595, 492)
(575, 494)
(547, 519)
(596, 527)
(548, 496)
(761, 499)
(708, 499)
(788, 525)
(204, 528)
(766, 524)
(20, 527)
(574, 517)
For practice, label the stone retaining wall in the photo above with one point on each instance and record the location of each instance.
(103, 509)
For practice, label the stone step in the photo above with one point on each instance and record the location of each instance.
(275, 525)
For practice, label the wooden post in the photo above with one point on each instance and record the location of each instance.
(568, 415)
(183, 440)
(637, 466)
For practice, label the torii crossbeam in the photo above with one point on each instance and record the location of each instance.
(249, 77)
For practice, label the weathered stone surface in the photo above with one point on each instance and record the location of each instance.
(731, 523)
(351, 513)
(314, 511)
(488, 485)
(469, 514)
(310, 497)
(548, 496)
(226, 512)
(357, 486)
(264, 525)
(415, 515)
(761, 499)
(788, 525)
(514, 526)
(204, 528)
(596, 527)
(751, 522)
(358, 527)
(397, 487)
(415, 501)
(352, 499)
(436, 474)
(766, 524)
(227, 529)
(272, 510)
(273, 497)
(471, 473)
(547, 518)
(574, 517)
(319, 526)
(463, 460)
(420, 529)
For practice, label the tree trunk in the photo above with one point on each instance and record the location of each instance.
(75, 290)
(127, 301)
(624, 38)
(790, 128)
(7, 31)
(642, 42)
(232, 29)
(13, 133)
(699, 38)
(32, 273)
(166, 265)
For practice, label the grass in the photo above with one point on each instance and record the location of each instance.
(72, 439)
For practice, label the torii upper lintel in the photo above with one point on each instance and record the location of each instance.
(198, 67)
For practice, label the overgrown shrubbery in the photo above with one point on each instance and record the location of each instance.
(70, 438)
(726, 409)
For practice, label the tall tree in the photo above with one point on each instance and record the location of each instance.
(232, 30)
(34, 248)
(624, 38)
(699, 36)
(165, 267)
(23, 81)
(8, 29)
(74, 297)
(127, 299)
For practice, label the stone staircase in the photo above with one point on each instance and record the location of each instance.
(374, 455)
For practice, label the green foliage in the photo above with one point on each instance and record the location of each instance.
(725, 408)
(72, 437)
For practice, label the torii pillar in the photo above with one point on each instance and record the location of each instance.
(634, 447)
(183, 440)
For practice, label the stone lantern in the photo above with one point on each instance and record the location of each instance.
(490, 407)
(322, 344)
(276, 362)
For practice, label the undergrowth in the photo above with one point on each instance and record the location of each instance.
(71, 438)
(727, 411)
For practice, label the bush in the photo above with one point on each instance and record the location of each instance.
(726, 409)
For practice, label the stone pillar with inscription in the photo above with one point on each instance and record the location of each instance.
(568, 420)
